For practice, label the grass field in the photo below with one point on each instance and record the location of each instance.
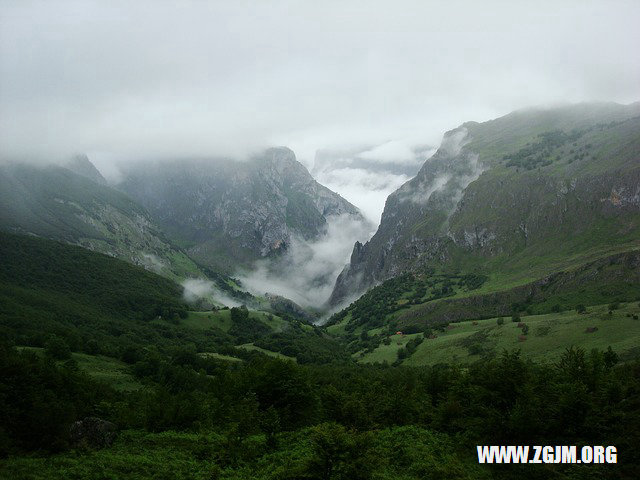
(104, 369)
(220, 356)
(549, 335)
(251, 346)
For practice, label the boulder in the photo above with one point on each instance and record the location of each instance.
(92, 432)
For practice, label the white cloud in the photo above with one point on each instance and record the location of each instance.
(197, 289)
(150, 78)
(394, 151)
(368, 190)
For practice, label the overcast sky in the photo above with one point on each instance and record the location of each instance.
(167, 78)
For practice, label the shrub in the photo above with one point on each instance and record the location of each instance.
(57, 348)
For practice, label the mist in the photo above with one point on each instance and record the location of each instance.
(197, 290)
(128, 79)
(448, 173)
(306, 274)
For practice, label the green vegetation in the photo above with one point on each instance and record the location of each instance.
(270, 419)
(415, 302)
(547, 337)
(375, 306)
(538, 153)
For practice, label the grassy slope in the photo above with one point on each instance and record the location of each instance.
(252, 347)
(103, 369)
(549, 335)
(50, 288)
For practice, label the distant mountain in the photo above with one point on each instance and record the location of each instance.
(74, 205)
(514, 198)
(227, 213)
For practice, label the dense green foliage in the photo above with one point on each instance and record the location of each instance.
(39, 400)
(274, 419)
(374, 307)
(84, 298)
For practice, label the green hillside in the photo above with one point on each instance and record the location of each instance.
(98, 304)
(57, 203)
(514, 199)
(548, 336)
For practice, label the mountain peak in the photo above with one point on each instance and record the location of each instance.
(81, 165)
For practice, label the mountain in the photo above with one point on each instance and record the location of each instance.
(227, 213)
(74, 205)
(514, 199)
(81, 165)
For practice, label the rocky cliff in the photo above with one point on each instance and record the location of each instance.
(230, 213)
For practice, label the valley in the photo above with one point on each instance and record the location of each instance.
(205, 309)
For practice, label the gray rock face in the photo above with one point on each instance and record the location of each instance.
(92, 432)
(229, 213)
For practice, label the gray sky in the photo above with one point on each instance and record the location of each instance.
(166, 78)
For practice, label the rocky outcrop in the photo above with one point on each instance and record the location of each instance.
(92, 432)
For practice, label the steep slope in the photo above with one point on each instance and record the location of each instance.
(57, 203)
(514, 198)
(81, 165)
(230, 213)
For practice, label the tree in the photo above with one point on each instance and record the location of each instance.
(92, 347)
(500, 321)
(57, 348)
(610, 357)
(330, 443)
(580, 308)
(238, 314)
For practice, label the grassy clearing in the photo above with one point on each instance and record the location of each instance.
(385, 353)
(104, 369)
(251, 346)
(219, 356)
(549, 335)
(205, 320)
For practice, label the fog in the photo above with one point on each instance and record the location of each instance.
(197, 291)
(158, 78)
(307, 273)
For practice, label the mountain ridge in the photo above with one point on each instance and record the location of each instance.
(229, 213)
(500, 188)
